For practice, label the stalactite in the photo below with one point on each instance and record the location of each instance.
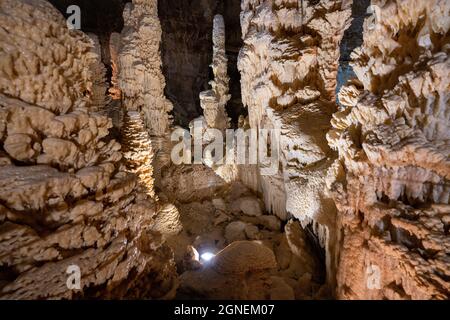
(391, 182)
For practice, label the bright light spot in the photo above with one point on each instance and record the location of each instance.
(207, 256)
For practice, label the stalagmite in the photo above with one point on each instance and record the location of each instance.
(137, 150)
(213, 101)
(334, 185)
(140, 78)
(115, 108)
(391, 182)
(67, 207)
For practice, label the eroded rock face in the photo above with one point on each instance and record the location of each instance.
(391, 182)
(65, 197)
(289, 65)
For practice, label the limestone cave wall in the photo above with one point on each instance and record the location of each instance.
(358, 207)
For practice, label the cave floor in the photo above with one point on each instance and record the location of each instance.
(221, 252)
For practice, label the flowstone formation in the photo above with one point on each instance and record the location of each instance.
(356, 206)
(66, 200)
(288, 66)
(392, 178)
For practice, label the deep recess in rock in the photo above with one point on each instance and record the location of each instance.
(186, 51)
(353, 38)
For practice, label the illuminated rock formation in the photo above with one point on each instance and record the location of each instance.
(137, 150)
(66, 201)
(289, 66)
(391, 183)
(114, 48)
(213, 101)
(140, 77)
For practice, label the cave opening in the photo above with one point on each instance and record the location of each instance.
(186, 51)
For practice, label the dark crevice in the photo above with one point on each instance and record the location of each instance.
(186, 51)
(100, 17)
(353, 38)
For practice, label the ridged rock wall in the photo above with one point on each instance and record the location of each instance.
(392, 178)
(288, 67)
(65, 196)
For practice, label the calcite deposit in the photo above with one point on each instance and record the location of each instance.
(391, 182)
(65, 197)
(213, 101)
(99, 100)
(353, 205)
(289, 65)
(140, 78)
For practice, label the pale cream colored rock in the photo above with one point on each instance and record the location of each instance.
(248, 206)
(137, 149)
(78, 208)
(213, 101)
(140, 78)
(219, 204)
(241, 257)
(167, 221)
(99, 86)
(288, 67)
(393, 167)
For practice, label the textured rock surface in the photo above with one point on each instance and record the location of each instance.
(65, 198)
(391, 182)
(289, 65)
(98, 71)
(140, 78)
(137, 150)
(253, 257)
(213, 102)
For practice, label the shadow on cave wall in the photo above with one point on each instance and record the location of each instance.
(187, 53)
